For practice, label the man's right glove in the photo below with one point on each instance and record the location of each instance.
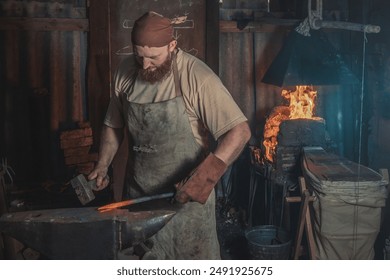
(200, 183)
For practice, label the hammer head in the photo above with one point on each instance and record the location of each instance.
(83, 188)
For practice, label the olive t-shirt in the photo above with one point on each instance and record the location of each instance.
(209, 105)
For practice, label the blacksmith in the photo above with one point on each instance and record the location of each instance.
(170, 103)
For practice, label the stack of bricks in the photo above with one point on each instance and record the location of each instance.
(76, 145)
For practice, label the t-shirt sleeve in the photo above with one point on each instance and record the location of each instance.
(123, 80)
(114, 114)
(217, 108)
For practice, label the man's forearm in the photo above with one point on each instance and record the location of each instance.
(231, 144)
(110, 140)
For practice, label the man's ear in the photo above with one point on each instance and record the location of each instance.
(172, 45)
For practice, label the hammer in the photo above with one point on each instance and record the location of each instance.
(83, 188)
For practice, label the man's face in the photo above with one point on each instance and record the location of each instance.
(155, 62)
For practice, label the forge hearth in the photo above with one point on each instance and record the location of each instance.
(280, 174)
(302, 132)
(287, 130)
(292, 136)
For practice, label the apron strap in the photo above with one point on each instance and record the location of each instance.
(176, 76)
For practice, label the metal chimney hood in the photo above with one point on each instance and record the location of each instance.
(308, 60)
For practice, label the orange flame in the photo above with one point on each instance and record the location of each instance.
(302, 105)
(302, 102)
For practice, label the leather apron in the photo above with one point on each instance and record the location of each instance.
(163, 151)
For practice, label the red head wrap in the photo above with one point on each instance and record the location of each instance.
(152, 30)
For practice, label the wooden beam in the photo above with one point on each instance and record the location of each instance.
(368, 28)
(44, 24)
(99, 65)
(212, 35)
(228, 26)
(272, 24)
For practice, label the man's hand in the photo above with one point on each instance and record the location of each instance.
(200, 183)
(102, 179)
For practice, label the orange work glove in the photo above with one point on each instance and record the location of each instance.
(199, 184)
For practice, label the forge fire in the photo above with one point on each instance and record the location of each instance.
(301, 106)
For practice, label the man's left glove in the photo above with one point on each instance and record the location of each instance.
(199, 184)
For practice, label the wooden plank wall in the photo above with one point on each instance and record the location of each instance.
(42, 75)
(244, 56)
(47, 84)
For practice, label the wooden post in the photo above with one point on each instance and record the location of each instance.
(304, 221)
(302, 218)
(308, 225)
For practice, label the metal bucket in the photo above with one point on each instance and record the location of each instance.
(268, 243)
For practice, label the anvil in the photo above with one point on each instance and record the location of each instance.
(83, 233)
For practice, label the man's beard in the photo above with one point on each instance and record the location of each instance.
(158, 74)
